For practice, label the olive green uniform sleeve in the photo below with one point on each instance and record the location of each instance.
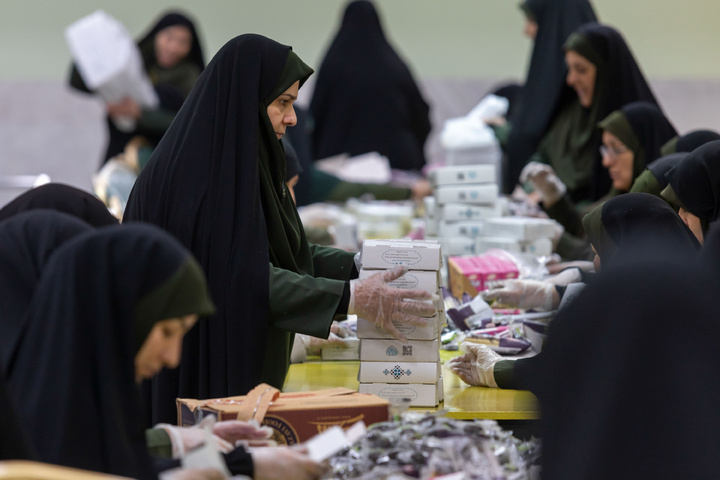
(298, 304)
(502, 133)
(330, 262)
(155, 120)
(158, 443)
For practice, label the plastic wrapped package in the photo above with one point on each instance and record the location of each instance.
(426, 446)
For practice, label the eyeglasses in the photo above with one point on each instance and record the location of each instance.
(612, 152)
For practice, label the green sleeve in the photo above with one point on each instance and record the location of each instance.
(155, 121)
(298, 304)
(330, 262)
(502, 133)
(504, 373)
(158, 443)
(303, 304)
(345, 190)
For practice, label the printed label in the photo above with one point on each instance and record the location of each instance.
(401, 257)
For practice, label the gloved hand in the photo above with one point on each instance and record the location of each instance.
(566, 277)
(285, 463)
(534, 294)
(475, 366)
(376, 302)
(543, 177)
(234, 431)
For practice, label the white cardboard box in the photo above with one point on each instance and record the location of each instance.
(520, 228)
(377, 350)
(421, 395)
(458, 246)
(462, 174)
(414, 279)
(351, 350)
(430, 206)
(399, 372)
(481, 194)
(463, 211)
(469, 228)
(430, 331)
(383, 254)
(539, 247)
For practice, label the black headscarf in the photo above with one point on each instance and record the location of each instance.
(510, 92)
(14, 444)
(293, 162)
(27, 241)
(63, 198)
(653, 179)
(627, 394)
(710, 254)
(217, 182)
(73, 380)
(172, 19)
(545, 80)
(365, 97)
(690, 141)
(626, 221)
(647, 133)
(695, 183)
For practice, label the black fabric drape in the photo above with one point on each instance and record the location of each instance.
(63, 198)
(171, 19)
(692, 140)
(624, 221)
(14, 444)
(365, 97)
(663, 165)
(27, 241)
(217, 182)
(545, 79)
(696, 181)
(624, 396)
(73, 380)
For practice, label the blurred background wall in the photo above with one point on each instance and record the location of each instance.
(458, 49)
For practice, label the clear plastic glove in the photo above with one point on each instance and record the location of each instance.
(566, 277)
(543, 177)
(313, 345)
(475, 366)
(526, 294)
(191, 474)
(185, 439)
(284, 463)
(376, 302)
(234, 431)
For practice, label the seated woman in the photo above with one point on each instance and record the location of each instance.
(365, 98)
(604, 76)
(631, 137)
(621, 392)
(548, 23)
(62, 198)
(689, 141)
(135, 291)
(614, 227)
(173, 60)
(694, 188)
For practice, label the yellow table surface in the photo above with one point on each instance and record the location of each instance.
(461, 400)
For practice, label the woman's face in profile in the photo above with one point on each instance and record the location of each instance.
(172, 44)
(581, 77)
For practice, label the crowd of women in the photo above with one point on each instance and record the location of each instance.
(201, 290)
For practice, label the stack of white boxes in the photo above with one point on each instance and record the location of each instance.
(518, 235)
(389, 368)
(464, 197)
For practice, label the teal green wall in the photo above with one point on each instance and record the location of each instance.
(439, 38)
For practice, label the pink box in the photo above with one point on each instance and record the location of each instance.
(472, 274)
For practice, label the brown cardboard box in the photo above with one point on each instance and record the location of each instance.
(297, 416)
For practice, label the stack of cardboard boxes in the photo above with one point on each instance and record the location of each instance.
(464, 197)
(389, 368)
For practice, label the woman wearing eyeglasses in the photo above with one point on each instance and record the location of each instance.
(631, 138)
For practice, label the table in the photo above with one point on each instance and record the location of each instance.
(461, 400)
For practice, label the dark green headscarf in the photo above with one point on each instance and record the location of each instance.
(184, 293)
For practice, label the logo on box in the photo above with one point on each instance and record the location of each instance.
(392, 351)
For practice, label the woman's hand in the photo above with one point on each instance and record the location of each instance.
(375, 301)
(284, 463)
